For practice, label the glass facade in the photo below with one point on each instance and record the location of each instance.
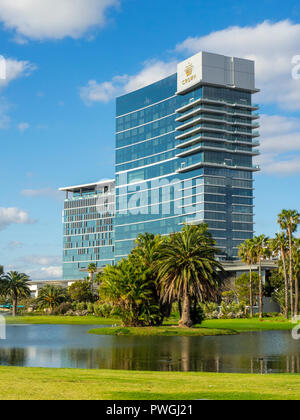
(88, 224)
(185, 158)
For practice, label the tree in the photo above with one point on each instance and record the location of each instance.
(51, 296)
(80, 291)
(248, 256)
(296, 266)
(147, 254)
(187, 269)
(14, 285)
(277, 288)
(262, 252)
(289, 221)
(243, 285)
(126, 286)
(92, 269)
(279, 247)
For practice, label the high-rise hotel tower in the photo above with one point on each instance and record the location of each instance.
(184, 154)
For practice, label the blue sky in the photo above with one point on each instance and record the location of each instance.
(68, 59)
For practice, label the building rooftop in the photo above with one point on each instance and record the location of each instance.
(94, 185)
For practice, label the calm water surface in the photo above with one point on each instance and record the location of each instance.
(69, 346)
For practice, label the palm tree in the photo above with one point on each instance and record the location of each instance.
(187, 268)
(14, 285)
(51, 296)
(248, 256)
(262, 252)
(279, 247)
(296, 259)
(289, 221)
(92, 269)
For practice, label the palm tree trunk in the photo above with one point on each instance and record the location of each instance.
(92, 281)
(296, 295)
(15, 304)
(260, 292)
(291, 272)
(186, 320)
(286, 285)
(251, 293)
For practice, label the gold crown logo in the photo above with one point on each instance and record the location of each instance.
(189, 69)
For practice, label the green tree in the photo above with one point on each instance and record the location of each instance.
(126, 286)
(247, 254)
(289, 221)
(262, 252)
(242, 288)
(92, 269)
(277, 288)
(80, 291)
(147, 254)
(296, 267)
(15, 286)
(51, 296)
(279, 248)
(187, 269)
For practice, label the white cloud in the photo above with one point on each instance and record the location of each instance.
(15, 69)
(280, 145)
(42, 260)
(44, 192)
(53, 19)
(271, 45)
(46, 273)
(15, 244)
(103, 92)
(23, 127)
(13, 215)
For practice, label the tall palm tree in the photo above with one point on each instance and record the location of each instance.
(262, 252)
(14, 285)
(279, 247)
(248, 256)
(187, 268)
(289, 221)
(92, 269)
(296, 259)
(51, 296)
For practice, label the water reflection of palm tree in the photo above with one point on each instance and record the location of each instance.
(13, 357)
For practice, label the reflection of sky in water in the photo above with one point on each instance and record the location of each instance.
(70, 346)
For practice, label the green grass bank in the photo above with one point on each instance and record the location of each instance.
(161, 331)
(73, 384)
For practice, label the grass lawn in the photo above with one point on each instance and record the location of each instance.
(244, 325)
(165, 331)
(62, 320)
(73, 384)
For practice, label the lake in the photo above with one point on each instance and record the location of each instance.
(69, 346)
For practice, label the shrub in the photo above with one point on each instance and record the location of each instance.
(62, 309)
(90, 308)
(81, 306)
(103, 310)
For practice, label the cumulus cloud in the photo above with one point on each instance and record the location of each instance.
(23, 127)
(43, 192)
(53, 19)
(271, 45)
(151, 72)
(14, 69)
(13, 215)
(45, 260)
(280, 145)
(46, 273)
(15, 244)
